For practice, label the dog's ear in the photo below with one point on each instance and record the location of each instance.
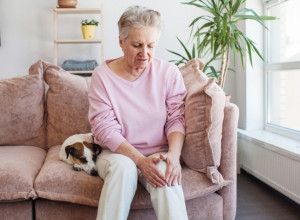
(69, 150)
(97, 149)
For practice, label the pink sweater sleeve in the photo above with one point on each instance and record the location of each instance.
(176, 93)
(105, 127)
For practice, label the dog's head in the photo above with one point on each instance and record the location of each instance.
(84, 155)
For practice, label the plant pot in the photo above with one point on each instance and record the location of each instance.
(67, 3)
(88, 31)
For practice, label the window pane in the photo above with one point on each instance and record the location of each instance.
(284, 99)
(284, 33)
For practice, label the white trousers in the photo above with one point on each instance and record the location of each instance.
(121, 177)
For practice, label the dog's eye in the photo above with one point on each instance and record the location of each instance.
(83, 160)
(95, 157)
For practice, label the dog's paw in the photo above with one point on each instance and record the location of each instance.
(77, 168)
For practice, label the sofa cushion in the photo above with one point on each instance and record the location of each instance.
(22, 111)
(67, 104)
(19, 166)
(204, 113)
(58, 181)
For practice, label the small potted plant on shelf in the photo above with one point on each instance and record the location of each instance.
(88, 29)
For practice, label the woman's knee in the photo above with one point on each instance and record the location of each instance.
(117, 165)
(123, 167)
(162, 167)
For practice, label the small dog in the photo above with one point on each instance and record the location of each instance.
(83, 153)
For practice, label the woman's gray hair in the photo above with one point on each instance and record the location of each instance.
(138, 17)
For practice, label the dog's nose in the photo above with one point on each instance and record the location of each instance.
(94, 172)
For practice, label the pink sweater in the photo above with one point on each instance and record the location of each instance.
(143, 112)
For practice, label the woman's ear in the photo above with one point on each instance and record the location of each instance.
(121, 43)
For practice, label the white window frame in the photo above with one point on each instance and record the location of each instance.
(273, 67)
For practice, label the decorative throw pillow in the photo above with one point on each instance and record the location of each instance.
(67, 104)
(22, 111)
(204, 113)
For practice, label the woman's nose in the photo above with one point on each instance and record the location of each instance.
(144, 51)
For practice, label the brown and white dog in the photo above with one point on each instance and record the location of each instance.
(80, 151)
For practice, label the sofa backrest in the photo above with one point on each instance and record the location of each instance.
(22, 120)
(67, 104)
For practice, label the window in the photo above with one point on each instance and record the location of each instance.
(282, 66)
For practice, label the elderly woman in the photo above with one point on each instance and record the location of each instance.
(136, 113)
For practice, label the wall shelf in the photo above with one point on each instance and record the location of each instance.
(77, 10)
(74, 11)
(80, 41)
(81, 71)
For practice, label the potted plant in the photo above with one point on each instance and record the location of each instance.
(88, 29)
(218, 34)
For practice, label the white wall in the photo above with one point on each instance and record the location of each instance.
(27, 31)
(27, 35)
(249, 88)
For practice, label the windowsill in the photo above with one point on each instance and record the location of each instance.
(272, 141)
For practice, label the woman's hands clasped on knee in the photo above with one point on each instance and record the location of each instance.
(173, 172)
(147, 165)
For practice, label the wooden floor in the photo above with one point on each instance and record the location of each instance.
(257, 201)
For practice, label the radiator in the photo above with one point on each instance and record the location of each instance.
(275, 166)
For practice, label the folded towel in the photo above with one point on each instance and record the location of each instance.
(79, 65)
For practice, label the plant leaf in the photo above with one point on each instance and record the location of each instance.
(207, 3)
(213, 70)
(251, 17)
(185, 49)
(231, 69)
(208, 24)
(268, 18)
(249, 51)
(208, 9)
(193, 52)
(204, 17)
(236, 6)
(255, 49)
(212, 41)
(198, 43)
(173, 52)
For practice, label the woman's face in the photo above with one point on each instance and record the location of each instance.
(139, 46)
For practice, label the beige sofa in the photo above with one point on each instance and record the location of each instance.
(35, 184)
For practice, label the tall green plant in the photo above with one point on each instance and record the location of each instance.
(218, 32)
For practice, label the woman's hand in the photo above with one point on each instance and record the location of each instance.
(147, 165)
(173, 172)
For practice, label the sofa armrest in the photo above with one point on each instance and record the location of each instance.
(228, 160)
